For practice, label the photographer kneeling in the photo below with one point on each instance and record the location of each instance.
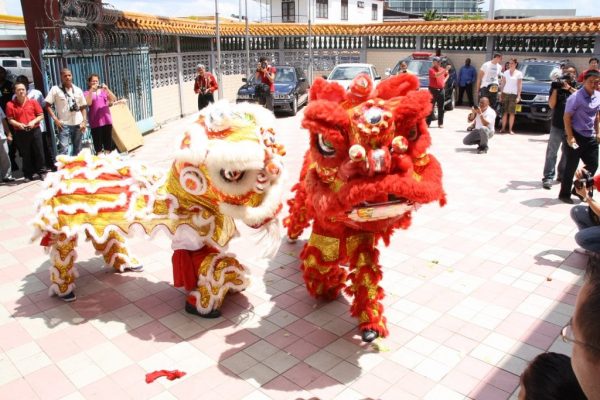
(587, 217)
(265, 74)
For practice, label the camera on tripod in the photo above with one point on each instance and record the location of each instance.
(586, 180)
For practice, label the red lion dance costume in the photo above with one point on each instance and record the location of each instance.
(366, 170)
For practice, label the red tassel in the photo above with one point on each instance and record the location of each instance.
(171, 375)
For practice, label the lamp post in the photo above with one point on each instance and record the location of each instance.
(491, 10)
(247, 40)
(310, 44)
(218, 59)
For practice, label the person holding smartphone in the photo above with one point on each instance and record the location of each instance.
(484, 117)
(99, 98)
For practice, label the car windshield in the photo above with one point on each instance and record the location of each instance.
(538, 72)
(285, 75)
(419, 67)
(347, 73)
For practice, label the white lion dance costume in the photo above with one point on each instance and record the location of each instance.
(227, 166)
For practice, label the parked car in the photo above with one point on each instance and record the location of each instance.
(291, 89)
(344, 73)
(537, 80)
(419, 64)
(16, 66)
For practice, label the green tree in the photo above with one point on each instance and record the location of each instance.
(431, 15)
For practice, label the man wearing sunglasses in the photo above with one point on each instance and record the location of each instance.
(583, 330)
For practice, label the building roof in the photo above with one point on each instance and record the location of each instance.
(11, 19)
(189, 27)
(183, 26)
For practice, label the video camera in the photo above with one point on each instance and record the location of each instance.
(586, 180)
(73, 106)
(559, 82)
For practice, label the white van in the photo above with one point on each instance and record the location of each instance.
(16, 66)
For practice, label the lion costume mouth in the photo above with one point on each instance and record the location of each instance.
(394, 207)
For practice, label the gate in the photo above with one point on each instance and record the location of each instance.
(126, 74)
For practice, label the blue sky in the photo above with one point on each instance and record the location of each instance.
(174, 8)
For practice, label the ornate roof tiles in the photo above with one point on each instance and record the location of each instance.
(183, 26)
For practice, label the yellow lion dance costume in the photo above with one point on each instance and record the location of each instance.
(228, 166)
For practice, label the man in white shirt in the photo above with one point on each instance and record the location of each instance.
(71, 115)
(484, 117)
(488, 79)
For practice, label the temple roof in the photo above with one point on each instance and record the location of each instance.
(183, 26)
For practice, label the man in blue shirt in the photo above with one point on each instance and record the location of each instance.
(466, 77)
(582, 127)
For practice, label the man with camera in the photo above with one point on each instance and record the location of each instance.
(438, 76)
(265, 74)
(205, 85)
(71, 114)
(582, 128)
(587, 217)
(484, 117)
(561, 88)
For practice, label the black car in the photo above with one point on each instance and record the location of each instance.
(291, 89)
(419, 64)
(537, 80)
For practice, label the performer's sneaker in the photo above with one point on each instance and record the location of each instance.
(368, 335)
(69, 297)
(191, 309)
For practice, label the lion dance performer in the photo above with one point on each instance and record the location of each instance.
(227, 166)
(365, 172)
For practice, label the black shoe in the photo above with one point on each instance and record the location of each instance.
(69, 297)
(482, 150)
(8, 180)
(368, 335)
(566, 199)
(42, 176)
(547, 183)
(191, 309)
(27, 179)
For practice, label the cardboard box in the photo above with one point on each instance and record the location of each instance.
(125, 133)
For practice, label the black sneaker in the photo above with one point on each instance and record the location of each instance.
(547, 183)
(191, 309)
(69, 297)
(566, 199)
(8, 180)
(482, 150)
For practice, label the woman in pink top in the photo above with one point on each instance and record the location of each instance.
(99, 98)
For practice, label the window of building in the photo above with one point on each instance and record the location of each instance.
(322, 8)
(344, 10)
(288, 10)
(374, 12)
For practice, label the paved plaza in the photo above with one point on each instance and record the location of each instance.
(475, 290)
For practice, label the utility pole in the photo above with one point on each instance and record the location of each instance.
(310, 44)
(491, 10)
(218, 59)
(247, 39)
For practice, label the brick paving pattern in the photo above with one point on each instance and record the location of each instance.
(475, 290)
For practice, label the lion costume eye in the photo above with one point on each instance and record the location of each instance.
(232, 176)
(325, 147)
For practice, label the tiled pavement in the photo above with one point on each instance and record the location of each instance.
(475, 290)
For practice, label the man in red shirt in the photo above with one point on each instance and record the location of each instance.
(265, 73)
(593, 65)
(25, 115)
(437, 81)
(204, 86)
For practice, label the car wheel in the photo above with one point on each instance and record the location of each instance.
(450, 106)
(294, 106)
